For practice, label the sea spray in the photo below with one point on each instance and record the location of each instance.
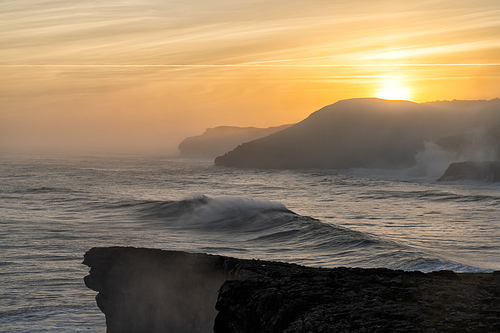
(202, 212)
(432, 161)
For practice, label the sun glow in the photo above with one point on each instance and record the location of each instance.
(394, 91)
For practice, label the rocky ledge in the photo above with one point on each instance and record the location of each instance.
(147, 290)
(482, 171)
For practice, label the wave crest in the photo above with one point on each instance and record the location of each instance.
(203, 212)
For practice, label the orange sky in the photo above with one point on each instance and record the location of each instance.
(141, 75)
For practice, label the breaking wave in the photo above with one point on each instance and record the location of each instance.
(253, 225)
(227, 213)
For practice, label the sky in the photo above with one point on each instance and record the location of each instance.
(141, 75)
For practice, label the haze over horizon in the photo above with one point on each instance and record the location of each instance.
(142, 75)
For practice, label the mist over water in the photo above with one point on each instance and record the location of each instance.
(433, 161)
(54, 209)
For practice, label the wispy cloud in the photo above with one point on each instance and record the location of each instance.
(265, 64)
(155, 32)
(191, 64)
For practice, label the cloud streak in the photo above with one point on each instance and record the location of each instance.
(92, 72)
(152, 31)
(242, 65)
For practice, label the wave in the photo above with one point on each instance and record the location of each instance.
(61, 319)
(436, 264)
(262, 220)
(250, 226)
(202, 212)
(434, 195)
(42, 190)
(315, 243)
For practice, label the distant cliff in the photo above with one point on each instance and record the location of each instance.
(148, 290)
(369, 133)
(219, 140)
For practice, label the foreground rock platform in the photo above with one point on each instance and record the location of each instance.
(148, 290)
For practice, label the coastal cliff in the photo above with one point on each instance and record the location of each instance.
(148, 290)
(219, 140)
(374, 133)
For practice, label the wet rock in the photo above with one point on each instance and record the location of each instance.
(482, 171)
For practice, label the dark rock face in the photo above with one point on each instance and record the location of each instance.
(485, 171)
(360, 300)
(219, 140)
(145, 290)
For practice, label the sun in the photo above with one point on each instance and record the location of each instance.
(394, 91)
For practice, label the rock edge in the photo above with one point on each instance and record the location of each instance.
(150, 290)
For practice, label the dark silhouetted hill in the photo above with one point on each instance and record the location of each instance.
(367, 133)
(219, 140)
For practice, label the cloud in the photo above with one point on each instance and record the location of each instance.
(182, 66)
(155, 32)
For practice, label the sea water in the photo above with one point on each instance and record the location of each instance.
(54, 208)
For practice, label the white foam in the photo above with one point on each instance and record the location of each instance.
(226, 212)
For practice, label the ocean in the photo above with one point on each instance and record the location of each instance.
(53, 208)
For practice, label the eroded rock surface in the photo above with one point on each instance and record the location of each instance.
(360, 300)
(147, 290)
